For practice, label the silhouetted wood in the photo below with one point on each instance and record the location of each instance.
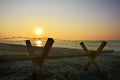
(92, 55)
(30, 49)
(45, 51)
(99, 50)
(31, 52)
(9, 58)
(84, 47)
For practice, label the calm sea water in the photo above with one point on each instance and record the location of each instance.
(74, 44)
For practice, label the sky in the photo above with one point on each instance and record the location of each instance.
(61, 19)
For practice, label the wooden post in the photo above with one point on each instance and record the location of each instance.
(84, 47)
(10, 58)
(31, 52)
(91, 61)
(30, 49)
(45, 51)
(99, 50)
(93, 55)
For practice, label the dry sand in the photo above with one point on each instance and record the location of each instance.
(58, 69)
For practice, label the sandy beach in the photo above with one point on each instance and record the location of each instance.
(58, 69)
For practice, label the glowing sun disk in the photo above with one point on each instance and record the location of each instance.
(38, 31)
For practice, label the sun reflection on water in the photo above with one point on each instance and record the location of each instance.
(38, 43)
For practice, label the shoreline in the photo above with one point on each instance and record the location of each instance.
(14, 47)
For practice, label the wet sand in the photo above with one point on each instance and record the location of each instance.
(58, 69)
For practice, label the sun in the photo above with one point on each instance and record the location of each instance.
(38, 31)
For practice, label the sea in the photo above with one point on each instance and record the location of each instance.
(72, 44)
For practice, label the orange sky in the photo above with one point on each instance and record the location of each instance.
(62, 19)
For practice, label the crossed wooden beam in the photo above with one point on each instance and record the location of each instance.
(92, 55)
(44, 52)
(42, 56)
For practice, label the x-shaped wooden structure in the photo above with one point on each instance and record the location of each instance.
(42, 56)
(92, 55)
(44, 52)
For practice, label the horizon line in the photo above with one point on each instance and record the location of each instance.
(57, 38)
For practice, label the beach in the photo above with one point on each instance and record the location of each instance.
(59, 39)
(58, 68)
